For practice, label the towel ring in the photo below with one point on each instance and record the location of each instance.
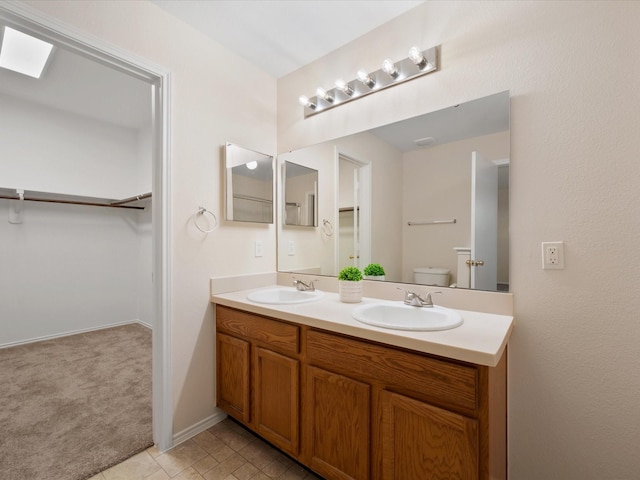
(327, 227)
(201, 212)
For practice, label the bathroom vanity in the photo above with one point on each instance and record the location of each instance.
(352, 401)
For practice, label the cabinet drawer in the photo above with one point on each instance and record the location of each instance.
(437, 381)
(277, 334)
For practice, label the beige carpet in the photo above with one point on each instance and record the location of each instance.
(73, 406)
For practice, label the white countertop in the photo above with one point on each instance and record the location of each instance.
(481, 339)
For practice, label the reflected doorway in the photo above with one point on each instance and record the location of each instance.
(354, 212)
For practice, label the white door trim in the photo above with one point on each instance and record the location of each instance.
(364, 181)
(31, 20)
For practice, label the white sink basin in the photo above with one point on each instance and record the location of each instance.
(284, 296)
(399, 316)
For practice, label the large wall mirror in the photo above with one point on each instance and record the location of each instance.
(427, 198)
(249, 185)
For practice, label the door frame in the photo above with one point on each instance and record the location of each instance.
(31, 20)
(364, 179)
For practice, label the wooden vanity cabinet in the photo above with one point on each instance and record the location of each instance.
(277, 391)
(423, 441)
(232, 376)
(357, 410)
(258, 375)
(337, 425)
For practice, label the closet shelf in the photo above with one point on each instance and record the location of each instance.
(35, 196)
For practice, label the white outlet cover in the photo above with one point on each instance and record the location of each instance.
(553, 255)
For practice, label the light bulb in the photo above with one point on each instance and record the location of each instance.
(252, 165)
(344, 87)
(365, 78)
(390, 68)
(305, 102)
(416, 57)
(323, 94)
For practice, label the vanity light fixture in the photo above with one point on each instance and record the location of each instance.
(324, 95)
(418, 58)
(390, 69)
(344, 87)
(392, 73)
(306, 102)
(365, 78)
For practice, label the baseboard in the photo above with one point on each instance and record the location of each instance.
(144, 324)
(73, 332)
(199, 427)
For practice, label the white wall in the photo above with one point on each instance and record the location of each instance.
(216, 97)
(66, 268)
(144, 267)
(572, 70)
(69, 268)
(48, 150)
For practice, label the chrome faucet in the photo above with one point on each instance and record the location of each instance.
(415, 300)
(304, 287)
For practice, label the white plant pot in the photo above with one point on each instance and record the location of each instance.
(373, 277)
(350, 292)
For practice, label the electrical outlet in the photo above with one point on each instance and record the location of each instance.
(553, 255)
(291, 248)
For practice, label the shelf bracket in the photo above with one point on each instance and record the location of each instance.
(15, 210)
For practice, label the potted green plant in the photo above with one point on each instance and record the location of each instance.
(350, 285)
(374, 271)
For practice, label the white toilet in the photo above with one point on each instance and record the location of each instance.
(431, 276)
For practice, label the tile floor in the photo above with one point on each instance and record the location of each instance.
(225, 451)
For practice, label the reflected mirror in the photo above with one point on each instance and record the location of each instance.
(300, 195)
(427, 198)
(249, 182)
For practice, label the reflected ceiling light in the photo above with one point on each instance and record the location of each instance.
(23, 53)
(252, 165)
(424, 142)
(322, 93)
(418, 58)
(365, 78)
(390, 68)
(344, 87)
(392, 73)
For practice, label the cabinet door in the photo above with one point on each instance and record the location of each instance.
(232, 384)
(420, 441)
(276, 393)
(337, 425)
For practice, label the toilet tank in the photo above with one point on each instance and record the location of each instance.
(431, 276)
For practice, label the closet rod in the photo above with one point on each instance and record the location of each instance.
(131, 199)
(432, 222)
(252, 199)
(73, 202)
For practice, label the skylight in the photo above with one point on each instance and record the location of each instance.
(23, 53)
